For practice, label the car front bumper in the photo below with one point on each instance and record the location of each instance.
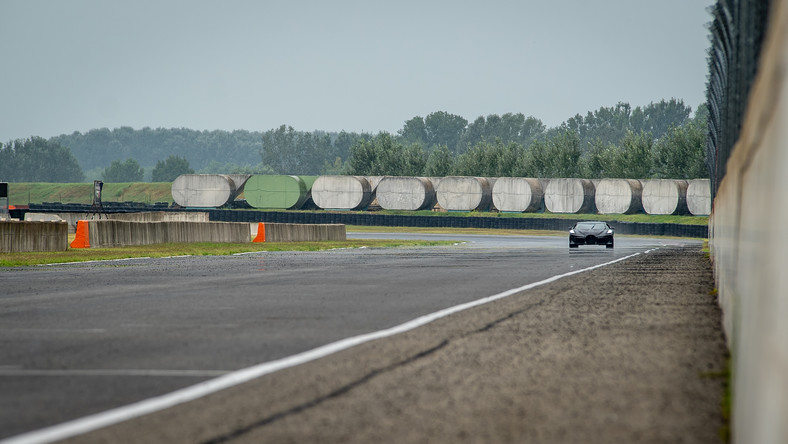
(591, 240)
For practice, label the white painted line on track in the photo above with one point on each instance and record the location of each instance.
(8, 371)
(151, 405)
(93, 262)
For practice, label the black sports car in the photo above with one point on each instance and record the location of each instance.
(591, 233)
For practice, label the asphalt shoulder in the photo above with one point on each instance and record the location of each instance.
(631, 352)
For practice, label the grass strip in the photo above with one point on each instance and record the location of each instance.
(196, 249)
(446, 230)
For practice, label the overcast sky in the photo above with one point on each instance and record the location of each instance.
(331, 65)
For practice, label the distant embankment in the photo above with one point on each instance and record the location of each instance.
(82, 193)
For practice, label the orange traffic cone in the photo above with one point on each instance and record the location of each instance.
(82, 240)
(260, 233)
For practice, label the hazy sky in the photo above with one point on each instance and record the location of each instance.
(355, 65)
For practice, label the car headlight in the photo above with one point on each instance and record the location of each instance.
(609, 231)
(571, 231)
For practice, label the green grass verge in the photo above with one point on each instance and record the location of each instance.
(651, 218)
(195, 249)
(445, 230)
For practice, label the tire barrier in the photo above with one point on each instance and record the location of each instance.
(570, 196)
(665, 196)
(342, 192)
(25, 236)
(699, 197)
(619, 196)
(462, 193)
(443, 220)
(405, 193)
(448, 221)
(518, 195)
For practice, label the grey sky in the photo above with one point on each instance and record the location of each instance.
(332, 65)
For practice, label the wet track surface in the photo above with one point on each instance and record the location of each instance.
(82, 338)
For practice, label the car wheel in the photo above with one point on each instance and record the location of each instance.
(610, 245)
(572, 245)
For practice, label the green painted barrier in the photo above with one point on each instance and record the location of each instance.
(276, 192)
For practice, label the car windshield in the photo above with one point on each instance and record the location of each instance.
(590, 226)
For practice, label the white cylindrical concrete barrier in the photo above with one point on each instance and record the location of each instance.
(203, 190)
(699, 197)
(517, 194)
(665, 196)
(405, 193)
(619, 196)
(570, 196)
(374, 181)
(341, 192)
(275, 192)
(462, 193)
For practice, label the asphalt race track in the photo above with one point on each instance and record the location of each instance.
(79, 339)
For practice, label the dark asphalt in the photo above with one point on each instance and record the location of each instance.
(83, 338)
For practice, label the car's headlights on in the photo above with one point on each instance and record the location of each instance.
(571, 231)
(609, 231)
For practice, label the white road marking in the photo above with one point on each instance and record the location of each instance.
(93, 262)
(19, 371)
(120, 414)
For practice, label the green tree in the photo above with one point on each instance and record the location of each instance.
(557, 156)
(491, 159)
(414, 131)
(170, 169)
(681, 153)
(508, 128)
(384, 156)
(288, 151)
(439, 162)
(38, 160)
(128, 171)
(443, 128)
(633, 158)
(658, 118)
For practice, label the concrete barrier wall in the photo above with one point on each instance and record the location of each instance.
(304, 232)
(146, 216)
(405, 193)
(518, 194)
(618, 196)
(665, 196)
(699, 197)
(750, 249)
(21, 236)
(117, 233)
(342, 192)
(570, 196)
(203, 190)
(458, 193)
(276, 192)
(462, 193)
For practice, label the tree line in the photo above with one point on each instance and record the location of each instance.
(661, 139)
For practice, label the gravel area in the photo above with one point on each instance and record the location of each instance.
(631, 352)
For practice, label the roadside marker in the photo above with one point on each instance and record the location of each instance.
(260, 233)
(82, 240)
